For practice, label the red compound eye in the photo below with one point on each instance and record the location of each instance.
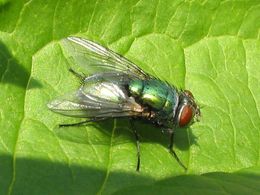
(185, 115)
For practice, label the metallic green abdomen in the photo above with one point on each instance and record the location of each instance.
(156, 94)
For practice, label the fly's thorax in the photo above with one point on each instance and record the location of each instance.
(171, 104)
(158, 95)
(154, 94)
(136, 87)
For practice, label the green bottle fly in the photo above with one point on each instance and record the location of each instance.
(118, 88)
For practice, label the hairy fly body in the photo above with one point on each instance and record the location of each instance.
(118, 88)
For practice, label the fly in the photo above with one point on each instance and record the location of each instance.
(118, 88)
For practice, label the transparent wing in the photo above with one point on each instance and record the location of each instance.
(98, 97)
(115, 77)
(95, 58)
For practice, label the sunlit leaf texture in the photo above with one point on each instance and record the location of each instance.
(209, 47)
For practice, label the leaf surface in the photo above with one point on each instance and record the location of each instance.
(209, 47)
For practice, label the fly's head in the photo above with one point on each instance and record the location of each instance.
(187, 109)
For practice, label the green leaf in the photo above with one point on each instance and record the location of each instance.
(209, 47)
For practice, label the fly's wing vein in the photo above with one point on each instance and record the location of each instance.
(97, 98)
(96, 58)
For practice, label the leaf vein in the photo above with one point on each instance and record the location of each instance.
(109, 159)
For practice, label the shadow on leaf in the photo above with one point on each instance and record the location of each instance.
(147, 133)
(4, 4)
(12, 72)
(31, 176)
(122, 134)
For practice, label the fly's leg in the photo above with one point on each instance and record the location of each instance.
(80, 76)
(137, 145)
(82, 122)
(172, 152)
